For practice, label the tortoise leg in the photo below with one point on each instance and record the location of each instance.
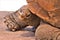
(47, 32)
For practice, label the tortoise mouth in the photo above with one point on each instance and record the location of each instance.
(13, 30)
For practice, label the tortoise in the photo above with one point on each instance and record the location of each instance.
(21, 18)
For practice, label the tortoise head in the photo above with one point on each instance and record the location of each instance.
(24, 12)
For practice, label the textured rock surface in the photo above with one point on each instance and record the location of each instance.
(48, 10)
(47, 32)
(21, 18)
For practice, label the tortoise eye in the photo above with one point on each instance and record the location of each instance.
(28, 15)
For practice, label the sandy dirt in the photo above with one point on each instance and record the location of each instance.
(5, 34)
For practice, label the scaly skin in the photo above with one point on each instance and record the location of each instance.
(21, 18)
(47, 32)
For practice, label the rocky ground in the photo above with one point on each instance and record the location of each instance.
(5, 34)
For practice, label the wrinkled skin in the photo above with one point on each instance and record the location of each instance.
(48, 10)
(21, 18)
(47, 32)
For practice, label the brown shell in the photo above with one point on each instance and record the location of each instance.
(48, 10)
